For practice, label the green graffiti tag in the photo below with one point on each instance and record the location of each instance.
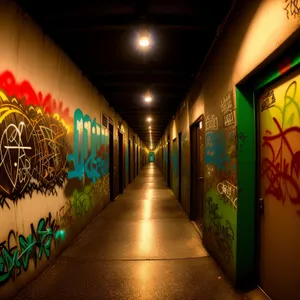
(223, 233)
(17, 251)
(81, 201)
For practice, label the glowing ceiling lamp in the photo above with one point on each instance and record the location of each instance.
(144, 41)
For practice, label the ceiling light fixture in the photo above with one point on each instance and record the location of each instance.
(148, 98)
(144, 42)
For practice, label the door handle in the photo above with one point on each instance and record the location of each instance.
(261, 204)
(201, 177)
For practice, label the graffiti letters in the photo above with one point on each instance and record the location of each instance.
(77, 206)
(211, 123)
(292, 8)
(282, 174)
(89, 158)
(17, 251)
(33, 150)
(222, 231)
(227, 108)
(81, 201)
(268, 101)
(229, 119)
(227, 103)
(280, 161)
(230, 192)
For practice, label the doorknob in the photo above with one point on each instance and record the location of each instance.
(261, 204)
(201, 177)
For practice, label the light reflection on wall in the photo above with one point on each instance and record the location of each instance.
(269, 28)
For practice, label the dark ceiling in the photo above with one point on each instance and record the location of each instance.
(101, 38)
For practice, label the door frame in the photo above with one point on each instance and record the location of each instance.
(179, 166)
(134, 156)
(194, 181)
(111, 159)
(137, 159)
(169, 163)
(121, 161)
(282, 62)
(129, 160)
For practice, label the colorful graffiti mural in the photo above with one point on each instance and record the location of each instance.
(221, 191)
(17, 251)
(33, 150)
(222, 230)
(89, 157)
(280, 150)
(24, 91)
(35, 157)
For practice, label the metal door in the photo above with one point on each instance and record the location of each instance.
(279, 188)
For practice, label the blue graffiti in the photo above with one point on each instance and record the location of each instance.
(89, 145)
(215, 149)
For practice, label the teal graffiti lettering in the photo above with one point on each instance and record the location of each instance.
(88, 143)
(15, 259)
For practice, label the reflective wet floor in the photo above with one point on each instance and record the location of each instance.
(142, 246)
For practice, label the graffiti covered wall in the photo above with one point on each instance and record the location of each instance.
(54, 151)
(234, 57)
(37, 159)
(279, 150)
(220, 200)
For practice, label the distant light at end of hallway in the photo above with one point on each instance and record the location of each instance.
(149, 119)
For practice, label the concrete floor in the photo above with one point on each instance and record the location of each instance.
(142, 246)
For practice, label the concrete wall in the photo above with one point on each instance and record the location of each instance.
(254, 30)
(54, 151)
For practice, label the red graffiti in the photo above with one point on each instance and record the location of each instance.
(285, 65)
(24, 91)
(283, 169)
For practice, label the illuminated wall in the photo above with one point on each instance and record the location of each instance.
(247, 40)
(54, 150)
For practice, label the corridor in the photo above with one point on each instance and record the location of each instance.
(142, 246)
